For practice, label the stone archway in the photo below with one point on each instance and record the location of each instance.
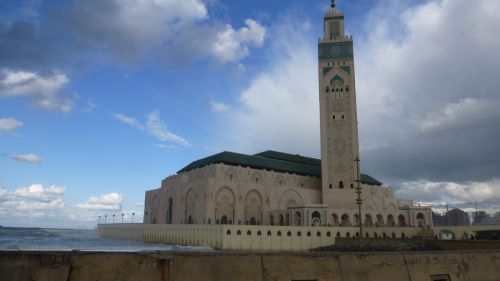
(316, 219)
(253, 207)
(344, 220)
(420, 220)
(155, 209)
(368, 220)
(281, 220)
(190, 207)
(224, 205)
(335, 220)
(290, 198)
(297, 218)
(380, 220)
(390, 220)
(401, 221)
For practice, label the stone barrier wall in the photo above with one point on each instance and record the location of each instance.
(246, 237)
(219, 266)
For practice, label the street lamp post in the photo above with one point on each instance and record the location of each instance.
(133, 214)
(113, 218)
(105, 219)
(359, 201)
(99, 220)
(122, 217)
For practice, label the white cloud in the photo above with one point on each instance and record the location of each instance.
(28, 158)
(43, 91)
(128, 120)
(216, 106)
(232, 45)
(486, 193)
(153, 126)
(177, 30)
(8, 125)
(37, 192)
(39, 206)
(89, 106)
(157, 128)
(280, 110)
(466, 112)
(110, 201)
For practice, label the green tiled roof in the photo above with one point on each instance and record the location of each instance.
(270, 160)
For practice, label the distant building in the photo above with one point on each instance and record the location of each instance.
(274, 188)
(454, 217)
(478, 216)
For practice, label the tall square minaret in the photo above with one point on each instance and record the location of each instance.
(338, 114)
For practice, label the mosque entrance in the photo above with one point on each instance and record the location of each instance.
(252, 221)
(224, 220)
(316, 219)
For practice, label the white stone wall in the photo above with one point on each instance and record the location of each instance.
(220, 193)
(246, 237)
(240, 194)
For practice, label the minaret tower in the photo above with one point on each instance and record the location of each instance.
(338, 114)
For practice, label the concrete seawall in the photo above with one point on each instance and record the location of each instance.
(218, 266)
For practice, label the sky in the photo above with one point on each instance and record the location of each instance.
(101, 100)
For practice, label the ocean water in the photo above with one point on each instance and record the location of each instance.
(49, 239)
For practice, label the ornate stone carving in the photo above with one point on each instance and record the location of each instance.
(336, 50)
(339, 145)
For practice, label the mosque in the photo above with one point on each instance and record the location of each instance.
(275, 188)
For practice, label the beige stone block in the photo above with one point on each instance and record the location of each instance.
(373, 267)
(422, 265)
(217, 267)
(118, 266)
(300, 267)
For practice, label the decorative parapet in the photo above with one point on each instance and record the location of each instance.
(335, 50)
(246, 237)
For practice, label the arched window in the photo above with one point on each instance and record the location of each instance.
(297, 219)
(224, 220)
(341, 183)
(169, 212)
(380, 220)
(335, 220)
(316, 219)
(390, 220)
(368, 220)
(420, 220)
(401, 221)
(345, 220)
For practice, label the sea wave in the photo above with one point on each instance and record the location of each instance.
(44, 239)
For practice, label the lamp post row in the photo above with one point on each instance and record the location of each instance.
(123, 215)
